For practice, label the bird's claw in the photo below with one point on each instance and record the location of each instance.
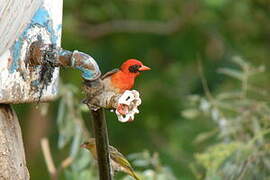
(94, 108)
(87, 101)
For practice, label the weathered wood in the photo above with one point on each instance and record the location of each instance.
(14, 17)
(34, 21)
(12, 158)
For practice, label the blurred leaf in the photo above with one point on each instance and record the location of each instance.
(190, 113)
(204, 136)
(232, 73)
(213, 158)
(241, 62)
(76, 141)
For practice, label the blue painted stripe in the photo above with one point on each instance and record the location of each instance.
(42, 18)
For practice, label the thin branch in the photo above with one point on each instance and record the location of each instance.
(94, 31)
(65, 163)
(204, 82)
(102, 143)
(49, 160)
(131, 26)
(48, 157)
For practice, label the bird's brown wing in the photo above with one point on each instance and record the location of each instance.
(118, 157)
(109, 73)
(120, 160)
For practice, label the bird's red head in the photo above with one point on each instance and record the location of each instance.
(133, 67)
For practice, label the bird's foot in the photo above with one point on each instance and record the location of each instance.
(87, 101)
(94, 108)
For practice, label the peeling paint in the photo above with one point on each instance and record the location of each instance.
(86, 64)
(14, 17)
(18, 82)
(47, 54)
(43, 18)
(16, 49)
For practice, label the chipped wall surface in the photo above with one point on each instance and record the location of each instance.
(15, 15)
(20, 83)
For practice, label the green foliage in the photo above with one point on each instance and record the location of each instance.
(242, 118)
(153, 169)
(214, 31)
(72, 132)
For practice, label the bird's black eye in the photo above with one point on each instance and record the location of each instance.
(134, 68)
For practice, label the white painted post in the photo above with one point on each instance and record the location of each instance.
(21, 23)
(18, 82)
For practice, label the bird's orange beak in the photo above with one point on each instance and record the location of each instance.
(144, 68)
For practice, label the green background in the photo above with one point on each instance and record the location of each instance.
(209, 31)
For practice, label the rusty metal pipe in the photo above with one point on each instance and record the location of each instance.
(44, 54)
(40, 53)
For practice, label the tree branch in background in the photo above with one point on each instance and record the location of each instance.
(204, 82)
(49, 160)
(94, 31)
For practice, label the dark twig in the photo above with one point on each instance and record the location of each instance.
(102, 143)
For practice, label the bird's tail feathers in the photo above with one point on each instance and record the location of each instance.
(134, 175)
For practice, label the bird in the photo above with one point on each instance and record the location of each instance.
(117, 160)
(120, 80)
(116, 81)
